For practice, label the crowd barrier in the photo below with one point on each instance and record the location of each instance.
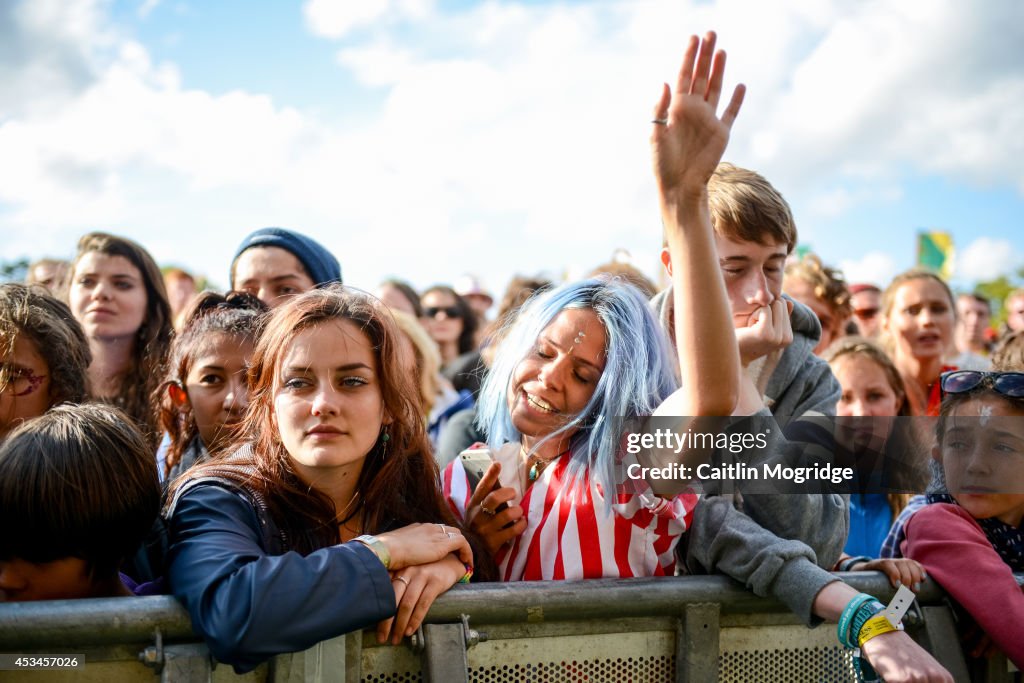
(687, 629)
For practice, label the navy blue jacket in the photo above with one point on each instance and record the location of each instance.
(249, 601)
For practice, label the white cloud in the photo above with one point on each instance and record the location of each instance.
(501, 125)
(337, 18)
(875, 267)
(987, 259)
(146, 7)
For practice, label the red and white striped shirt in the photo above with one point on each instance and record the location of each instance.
(578, 537)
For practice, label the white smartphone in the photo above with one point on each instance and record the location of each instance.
(475, 461)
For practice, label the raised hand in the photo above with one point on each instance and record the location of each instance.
(689, 137)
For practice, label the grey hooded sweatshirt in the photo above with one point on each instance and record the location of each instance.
(780, 545)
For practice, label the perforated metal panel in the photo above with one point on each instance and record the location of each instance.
(394, 677)
(784, 654)
(781, 653)
(638, 669)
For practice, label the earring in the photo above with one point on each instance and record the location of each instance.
(384, 438)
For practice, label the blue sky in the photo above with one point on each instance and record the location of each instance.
(425, 139)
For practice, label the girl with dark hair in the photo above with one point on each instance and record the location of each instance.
(333, 488)
(970, 536)
(78, 492)
(205, 395)
(117, 294)
(44, 356)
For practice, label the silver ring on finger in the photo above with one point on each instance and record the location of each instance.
(487, 511)
(403, 580)
(441, 527)
(660, 122)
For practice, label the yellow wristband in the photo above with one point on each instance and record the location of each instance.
(875, 626)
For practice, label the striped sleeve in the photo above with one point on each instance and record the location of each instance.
(455, 486)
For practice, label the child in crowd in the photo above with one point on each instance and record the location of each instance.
(970, 537)
(1008, 356)
(273, 264)
(116, 293)
(290, 540)
(205, 395)
(823, 290)
(44, 356)
(918, 315)
(78, 492)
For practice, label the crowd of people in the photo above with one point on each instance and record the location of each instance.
(362, 453)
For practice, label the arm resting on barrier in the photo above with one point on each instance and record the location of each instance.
(777, 544)
(250, 606)
(724, 540)
(955, 552)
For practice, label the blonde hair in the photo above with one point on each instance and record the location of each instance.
(828, 283)
(746, 208)
(428, 358)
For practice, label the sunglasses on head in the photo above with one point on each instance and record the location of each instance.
(1009, 384)
(449, 311)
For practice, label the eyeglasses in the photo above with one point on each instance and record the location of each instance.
(865, 313)
(19, 381)
(1009, 384)
(449, 311)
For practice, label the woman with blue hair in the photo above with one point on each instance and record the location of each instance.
(586, 355)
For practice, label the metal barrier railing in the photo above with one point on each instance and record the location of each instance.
(697, 628)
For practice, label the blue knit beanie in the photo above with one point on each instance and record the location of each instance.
(320, 264)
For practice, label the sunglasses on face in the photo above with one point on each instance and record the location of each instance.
(449, 311)
(865, 313)
(1010, 384)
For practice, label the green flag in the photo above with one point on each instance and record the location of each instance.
(935, 252)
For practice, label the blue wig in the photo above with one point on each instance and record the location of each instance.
(640, 372)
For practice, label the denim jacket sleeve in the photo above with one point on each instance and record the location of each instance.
(249, 605)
